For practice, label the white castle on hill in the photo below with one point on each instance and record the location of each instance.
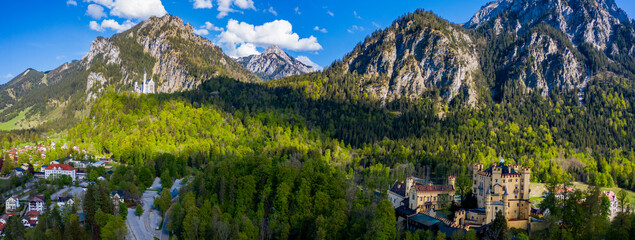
(147, 85)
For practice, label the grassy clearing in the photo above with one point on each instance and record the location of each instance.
(13, 123)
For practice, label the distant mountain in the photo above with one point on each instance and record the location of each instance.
(13, 90)
(274, 63)
(508, 47)
(163, 47)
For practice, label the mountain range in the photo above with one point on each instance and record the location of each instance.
(507, 47)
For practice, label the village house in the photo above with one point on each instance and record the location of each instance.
(31, 218)
(117, 197)
(12, 204)
(18, 172)
(56, 170)
(5, 218)
(65, 201)
(36, 203)
(613, 200)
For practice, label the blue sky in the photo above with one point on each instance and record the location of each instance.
(43, 34)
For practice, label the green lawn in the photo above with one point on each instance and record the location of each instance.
(12, 124)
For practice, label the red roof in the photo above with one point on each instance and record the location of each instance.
(33, 213)
(61, 166)
(434, 188)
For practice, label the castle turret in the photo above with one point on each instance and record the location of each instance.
(505, 203)
(452, 181)
(488, 207)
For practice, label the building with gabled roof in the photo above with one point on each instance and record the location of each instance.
(56, 170)
(418, 196)
(12, 204)
(36, 203)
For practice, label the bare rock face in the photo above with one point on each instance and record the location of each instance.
(590, 21)
(104, 49)
(417, 53)
(543, 64)
(274, 63)
(556, 40)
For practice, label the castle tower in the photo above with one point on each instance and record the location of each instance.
(452, 181)
(505, 203)
(488, 207)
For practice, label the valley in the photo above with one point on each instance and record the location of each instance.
(425, 129)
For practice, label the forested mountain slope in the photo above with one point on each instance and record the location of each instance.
(164, 48)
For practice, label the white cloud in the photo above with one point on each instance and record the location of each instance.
(112, 25)
(330, 13)
(210, 26)
(60, 57)
(198, 4)
(246, 49)
(308, 62)
(279, 32)
(7, 76)
(201, 32)
(71, 2)
(272, 11)
(356, 16)
(297, 11)
(204, 30)
(322, 30)
(225, 6)
(137, 9)
(95, 11)
(106, 3)
(376, 24)
(355, 28)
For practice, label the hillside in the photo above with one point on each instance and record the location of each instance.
(164, 48)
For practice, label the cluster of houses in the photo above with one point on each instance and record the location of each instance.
(35, 206)
(499, 188)
(76, 170)
(39, 148)
(561, 194)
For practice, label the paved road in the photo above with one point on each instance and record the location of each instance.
(178, 183)
(143, 227)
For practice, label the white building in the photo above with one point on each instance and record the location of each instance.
(12, 204)
(147, 85)
(36, 203)
(63, 201)
(55, 170)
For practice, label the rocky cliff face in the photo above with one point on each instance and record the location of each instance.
(274, 63)
(557, 44)
(590, 21)
(417, 53)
